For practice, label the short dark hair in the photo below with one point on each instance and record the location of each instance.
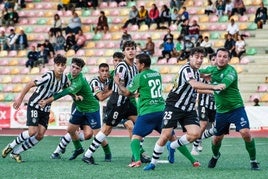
(59, 59)
(225, 50)
(103, 65)
(211, 56)
(119, 55)
(129, 43)
(198, 50)
(144, 58)
(79, 62)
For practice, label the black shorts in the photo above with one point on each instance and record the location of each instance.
(36, 117)
(114, 114)
(174, 115)
(206, 114)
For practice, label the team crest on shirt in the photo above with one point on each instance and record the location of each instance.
(34, 120)
(190, 75)
(165, 121)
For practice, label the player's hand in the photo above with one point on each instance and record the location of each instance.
(17, 103)
(79, 98)
(116, 78)
(42, 103)
(219, 87)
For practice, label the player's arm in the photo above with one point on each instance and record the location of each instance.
(24, 91)
(121, 86)
(203, 86)
(102, 95)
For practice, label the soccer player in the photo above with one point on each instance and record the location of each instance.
(148, 84)
(180, 107)
(206, 110)
(230, 108)
(86, 112)
(37, 117)
(118, 106)
(99, 86)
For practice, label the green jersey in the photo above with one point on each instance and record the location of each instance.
(148, 84)
(229, 98)
(80, 87)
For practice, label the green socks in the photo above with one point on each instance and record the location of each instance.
(106, 149)
(216, 149)
(250, 146)
(77, 144)
(184, 150)
(135, 148)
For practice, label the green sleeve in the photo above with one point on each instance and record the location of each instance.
(229, 78)
(135, 84)
(61, 94)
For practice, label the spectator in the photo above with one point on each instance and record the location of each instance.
(102, 23)
(240, 46)
(142, 15)
(11, 40)
(21, 4)
(194, 30)
(199, 41)
(11, 17)
(178, 47)
(32, 58)
(125, 37)
(256, 102)
(228, 8)
(220, 8)
(175, 4)
(57, 24)
(165, 15)
(51, 38)
(42, 56)
(80, 41)
(153, 16)
(168, 48)
(49, 48)
(209, 8)
(207, 44)
(81, 3)
(185, 28)
(184, 16)
(239, 7)
(261, 16)
(70, 41)
(230, 45)
(74, 25)
(65, 4)
(233, 29)
(60, 41)
(174, 16)
(3, 40)
(188, 45)
(133, 14)
(149, 47)
(168, 35)
(21, 41)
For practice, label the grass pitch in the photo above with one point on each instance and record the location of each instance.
(233, 164)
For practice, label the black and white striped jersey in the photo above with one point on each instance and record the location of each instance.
(47, 86)
(126, 74)
(182, 95)
(206, 100)
(97, 85)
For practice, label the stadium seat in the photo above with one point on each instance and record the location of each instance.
(223, 19)
(15, 71)
(9, 97)
(90, 53)
(5, 71)
(167, 88)
(1, 88)
(213, 18)
(3, 53)
(103, 4)
(107, 36)
(4, 62)
(251, 51)
(234, 60)
(254, 96)
(80, 53)
(214, 35)
(262, 88)
(97, 36)
(243, 26)
(91, 61)
(101, 60)
(12, 53)
(252, 26)
(35, 70)
(2, 96)
(109, 53)
(168, 78)
(244, 60)
(172, 61)
(86, 13)
(243, 18)
(70, 53)
(264, 97)
(6, 79)
(164, 70)
(100, 45)
(130, 4)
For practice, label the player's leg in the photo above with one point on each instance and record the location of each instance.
(72, 130)
(105, 146)
(197, 142)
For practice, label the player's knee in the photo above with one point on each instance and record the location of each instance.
(88, 135)
(39, 137)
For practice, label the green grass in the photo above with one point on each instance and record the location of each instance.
(234, 162)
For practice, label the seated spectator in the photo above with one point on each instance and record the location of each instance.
(239, 7)
(184, 16)
(49, 48)
(102, 23)
(142, 15)
(11, 17)
(174, 16)
(207, 45)
(60, 41)
(125, 37)
(228, 8)
(74, 25)
(51, 38)
(3, 40)
(11, 40)
(21, 41)
(209, 8)
(149, 47)
(80, 41)
(194, 30)
(138, 48)
(230, 45)
(199, 41)
(42, 56)
(233, 29)
(81, 3)
(240, 46)
(168, 48)
(165, 15)
(70, 41)
(153, 16)
(188, 45)
(32, 58)
(220, 8)
(175, 4)
(168, 35)
(21, 3)
(57, 24)
(261, 16)
(66, 5)
(132, 17)
(185, 28)
(178, 47)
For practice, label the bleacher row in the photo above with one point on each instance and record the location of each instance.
(37, 18)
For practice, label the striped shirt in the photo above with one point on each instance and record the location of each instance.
(182, 95)
(47, 86)
(97, 85)
(126, 74)
(206, 100)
